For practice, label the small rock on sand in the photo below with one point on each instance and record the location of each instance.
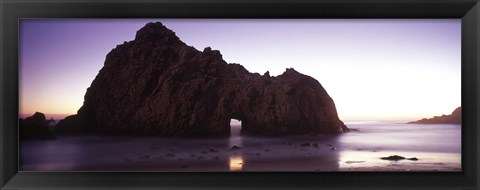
(393, 158)
(305, 144)
(235, 147)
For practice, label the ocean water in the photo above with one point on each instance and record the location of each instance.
(437, 148)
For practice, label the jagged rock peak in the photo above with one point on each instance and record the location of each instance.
(266, 74)
(210, 52)
(289, 71)
(38, 116)
(156, 31)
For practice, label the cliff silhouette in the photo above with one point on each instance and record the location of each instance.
(158, 85)
(454, 118)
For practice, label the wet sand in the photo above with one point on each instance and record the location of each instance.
(346, 152)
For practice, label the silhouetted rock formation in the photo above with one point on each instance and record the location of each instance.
(393, 158)
(454, 118)
(35, 127)
(72, 125)
(158, 85)
(397, 158)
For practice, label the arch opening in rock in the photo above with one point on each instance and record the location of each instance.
(235, 127)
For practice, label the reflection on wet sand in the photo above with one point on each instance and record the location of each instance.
(236, 163)
(235, 157)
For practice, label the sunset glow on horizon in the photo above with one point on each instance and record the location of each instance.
(374, 69)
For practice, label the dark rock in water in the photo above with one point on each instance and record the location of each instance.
(212, 150)
(234, 147)
(72, 125)
(35, 127)
(315, 145)
(305, 144)
(158, 85)
(333, 148)
(393, 158)
(413, 159)
(454, 118)
(170, 155)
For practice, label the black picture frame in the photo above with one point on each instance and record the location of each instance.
(12, 10)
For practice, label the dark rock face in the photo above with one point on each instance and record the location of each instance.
(72, 125)
(158, 85)
(454, 118)
(35, 127)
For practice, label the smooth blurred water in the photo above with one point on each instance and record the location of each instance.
(438, 147)
(432, 144)
(445, 138)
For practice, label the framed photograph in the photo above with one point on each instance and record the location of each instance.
(239, 95)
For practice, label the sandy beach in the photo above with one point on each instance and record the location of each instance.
(358, 150)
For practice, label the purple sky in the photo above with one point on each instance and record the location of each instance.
(373, 69)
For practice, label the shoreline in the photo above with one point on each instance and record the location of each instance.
(437, 148)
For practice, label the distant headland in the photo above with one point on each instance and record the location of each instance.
(454, 118)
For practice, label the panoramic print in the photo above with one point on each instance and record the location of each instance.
(240, 95)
